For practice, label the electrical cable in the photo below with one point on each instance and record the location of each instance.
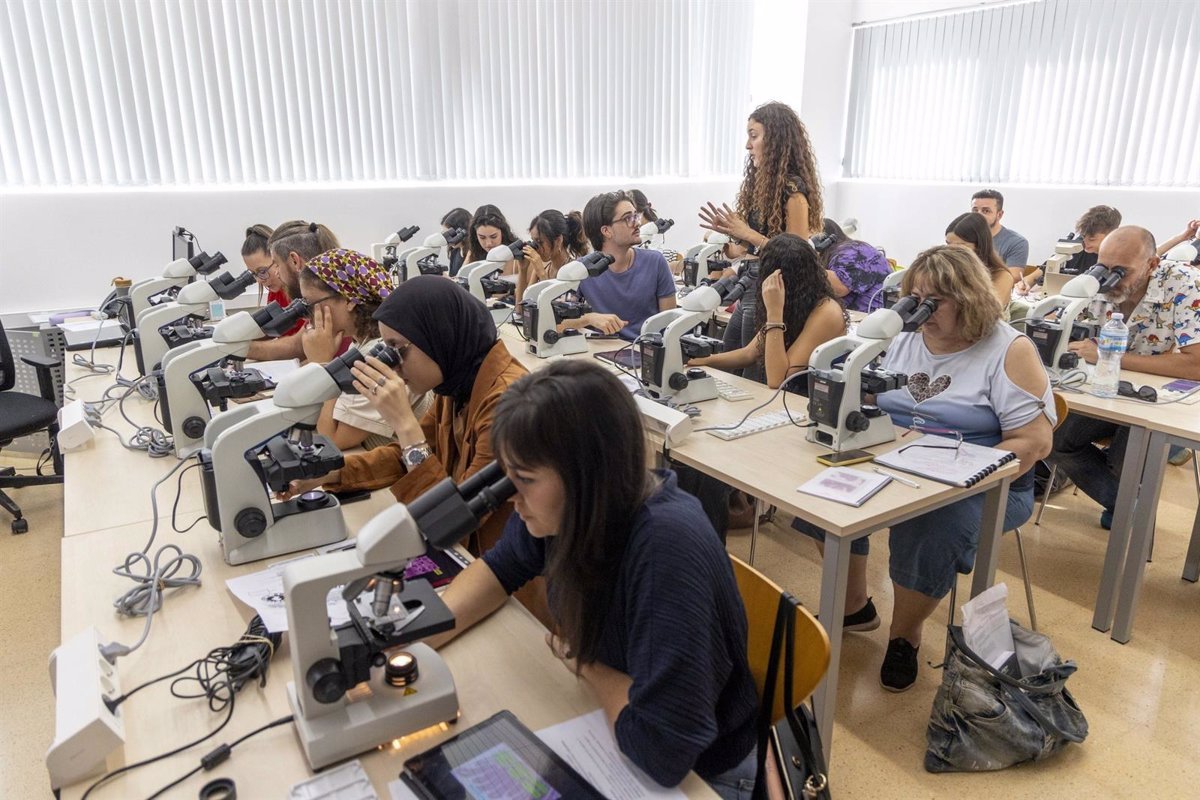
(783, 385)
(218, 756)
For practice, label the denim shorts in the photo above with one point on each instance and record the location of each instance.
(737, 783)
(927, 551)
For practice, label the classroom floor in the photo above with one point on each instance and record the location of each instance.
(1141, 699)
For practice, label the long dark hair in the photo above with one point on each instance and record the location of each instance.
(486, 215)
(787, 154)
(550, 418)
(973, 229)
(805, 284)
(642, 204)
(563, 229)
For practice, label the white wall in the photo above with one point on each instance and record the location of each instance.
(61, 249)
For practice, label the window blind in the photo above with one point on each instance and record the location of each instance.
(1057, 91)
(188, 92)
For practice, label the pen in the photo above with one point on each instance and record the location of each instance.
(905, 481)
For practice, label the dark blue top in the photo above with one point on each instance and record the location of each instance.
(676, 626)
(632, 295)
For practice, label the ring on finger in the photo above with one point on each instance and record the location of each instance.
(374, 390)
(381, 381)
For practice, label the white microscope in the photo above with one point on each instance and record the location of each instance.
(192, 377)
(482, 278)
(353, 689)
(658, 227)
(386, 252)
(543, 310)
(259, 448)
(891, 288)
(1052, 323)
(162, 327)
(423, 260)
(176, 275)
(704, 258)
(842, 371)
(669, 339)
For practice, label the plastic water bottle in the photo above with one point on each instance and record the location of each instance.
(1114, 339)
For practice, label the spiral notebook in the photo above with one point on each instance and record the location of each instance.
(939, 458)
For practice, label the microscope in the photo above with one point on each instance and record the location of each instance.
(194, 376)
(1052, 323)
(842, 371)
(170, 325)
(658, 227)
(669, 339)
(1064, 250)
(543, 309)
(891, 288)
(482, 278)
(259, 448)
(353, 689)
(423, 260)
(385, 252)
(704, 259)
(176, 275)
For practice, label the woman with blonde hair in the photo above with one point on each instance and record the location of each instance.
(971, 378)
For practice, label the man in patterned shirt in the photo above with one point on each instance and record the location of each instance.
(1161, 304)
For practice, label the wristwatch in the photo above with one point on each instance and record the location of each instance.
(414, 454)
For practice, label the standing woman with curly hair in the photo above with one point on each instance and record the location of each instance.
(796, 312)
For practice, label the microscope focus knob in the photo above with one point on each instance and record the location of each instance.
(1068, 361)
(194, 427)
(250, 522)
(326, 680)
(857, 421)
(551, 336)
(678, 381)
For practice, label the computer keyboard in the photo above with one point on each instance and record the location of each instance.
(727, 391)
(763, 422)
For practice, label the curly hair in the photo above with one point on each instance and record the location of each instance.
(805, 283)
(787, 153)
(486, 215)
(955, 273)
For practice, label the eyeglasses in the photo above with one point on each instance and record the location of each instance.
(945, 433)
(262, 274)
(1146, 394)
(630, 219)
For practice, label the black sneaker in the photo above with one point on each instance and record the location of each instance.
(899, 670)
(865, 619)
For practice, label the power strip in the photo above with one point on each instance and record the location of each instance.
(74, 431)
(86, 732)
(669, 423)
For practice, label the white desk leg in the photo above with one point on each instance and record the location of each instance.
(991, 528)
(1118, 538)
(1143, 531)
(1191, 564)
(835, 572)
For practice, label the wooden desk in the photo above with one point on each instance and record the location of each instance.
(502, 663)
(771, 465)
(1152, 427)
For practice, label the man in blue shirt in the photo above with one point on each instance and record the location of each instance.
(638, 284)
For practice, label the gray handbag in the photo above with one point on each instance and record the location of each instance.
(985, 719)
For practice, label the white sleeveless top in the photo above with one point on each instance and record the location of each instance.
(968, 391)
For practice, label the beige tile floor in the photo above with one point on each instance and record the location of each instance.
(1142, 700)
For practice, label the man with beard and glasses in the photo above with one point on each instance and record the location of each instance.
(1161, 304)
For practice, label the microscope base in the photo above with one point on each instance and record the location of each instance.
(565, 346)
(697, 391)
(387, 713)
(302, 531)
(880, 431)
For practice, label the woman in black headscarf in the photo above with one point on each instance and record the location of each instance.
(448, 345)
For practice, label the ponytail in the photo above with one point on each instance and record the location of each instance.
(575, 240)
(306, 239)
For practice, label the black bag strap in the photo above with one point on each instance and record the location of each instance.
(1012, 687)
(818, 781)
(768, 701)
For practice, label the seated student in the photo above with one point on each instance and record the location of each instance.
(1161, 304)
(1094, 224)
(855, 270)
(971, 232)
(343, 290)
(448, 344)
(457, 253)
(489, 229)
(257, 257)
(637, 285)
(292, 244)
(644, 603)
(556, 239)
(796, 312)
(1012, 246)
(981, 380)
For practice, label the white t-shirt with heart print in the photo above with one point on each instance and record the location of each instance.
(968, 391)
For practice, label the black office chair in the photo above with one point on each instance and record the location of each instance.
(20, 415)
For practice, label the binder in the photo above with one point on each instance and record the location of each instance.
(939, 459)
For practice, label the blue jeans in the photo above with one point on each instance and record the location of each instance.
(737, 783)
(928, 551)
